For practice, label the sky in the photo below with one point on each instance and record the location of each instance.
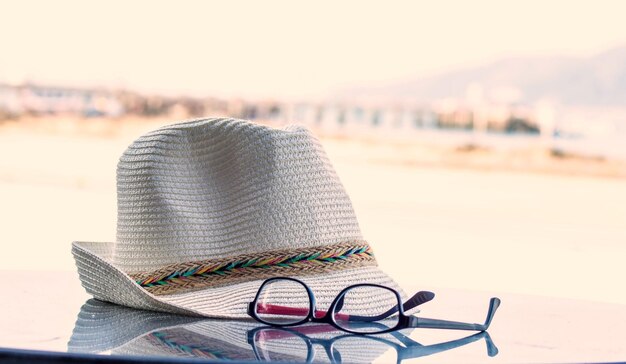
(286, 49)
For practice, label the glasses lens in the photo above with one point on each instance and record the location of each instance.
(283, 302)
(367, 309)
(280, 345)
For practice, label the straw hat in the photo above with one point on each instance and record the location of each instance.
(209, 208)
(106, 328)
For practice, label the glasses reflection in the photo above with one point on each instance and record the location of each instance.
(269, 343)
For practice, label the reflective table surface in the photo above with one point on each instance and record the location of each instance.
(50, 311)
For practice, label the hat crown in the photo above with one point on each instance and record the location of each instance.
(216, 188)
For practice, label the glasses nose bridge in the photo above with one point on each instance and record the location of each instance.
(322, 314)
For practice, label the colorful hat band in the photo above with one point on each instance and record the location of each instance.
(181, 342)
(176, 278)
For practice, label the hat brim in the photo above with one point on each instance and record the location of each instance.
(102, 279)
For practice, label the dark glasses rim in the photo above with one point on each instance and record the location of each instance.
(328, 316)
(252, 306)
(343, 292)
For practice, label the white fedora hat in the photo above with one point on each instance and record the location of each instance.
(209, 208)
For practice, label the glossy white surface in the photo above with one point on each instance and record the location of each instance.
(40, 310)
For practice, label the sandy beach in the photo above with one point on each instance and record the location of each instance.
(460, 217)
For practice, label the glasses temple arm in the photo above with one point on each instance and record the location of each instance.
(419, 298)
(280, 310)
(419, 351)
(423, 322)
(405, 340)
(270, 309)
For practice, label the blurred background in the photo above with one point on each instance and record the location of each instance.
(483, 143)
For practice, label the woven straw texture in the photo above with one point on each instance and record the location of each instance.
(216, 189)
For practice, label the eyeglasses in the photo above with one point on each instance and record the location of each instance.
(359, 309)
(270, 344)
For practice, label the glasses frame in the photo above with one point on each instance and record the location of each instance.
(404, 321)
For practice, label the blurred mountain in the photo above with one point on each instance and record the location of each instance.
(596, 81)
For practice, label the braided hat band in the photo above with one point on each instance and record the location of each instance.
(179, 342)
(185, 277)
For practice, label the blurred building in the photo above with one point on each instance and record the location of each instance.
(43, 100)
